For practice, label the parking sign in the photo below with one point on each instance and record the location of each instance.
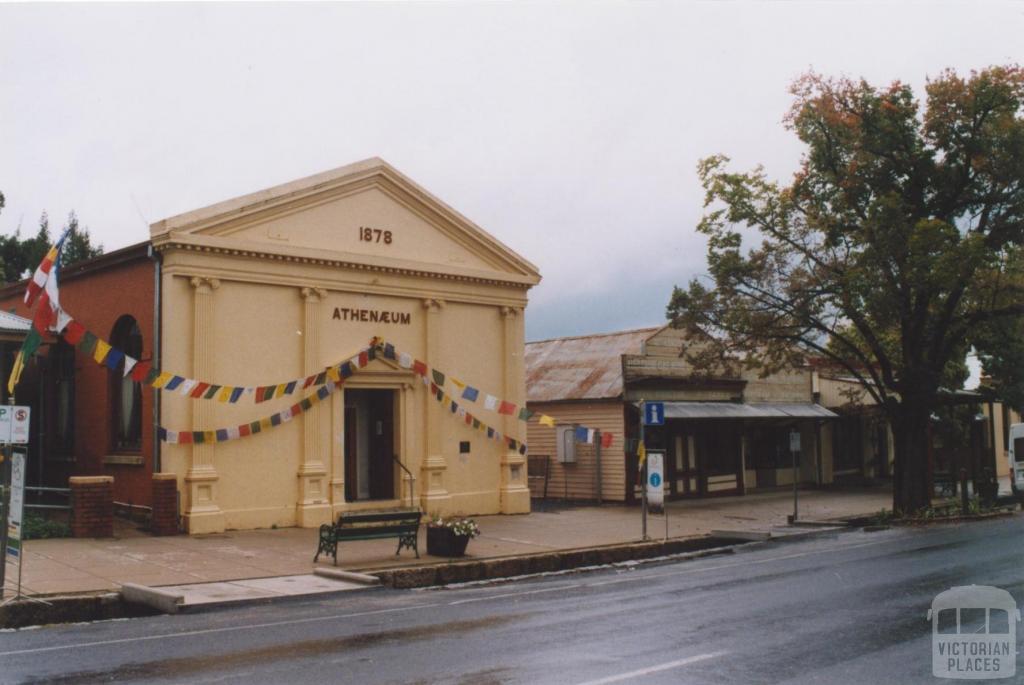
(14, 423)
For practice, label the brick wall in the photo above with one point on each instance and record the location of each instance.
(165, 504)
(92, 500)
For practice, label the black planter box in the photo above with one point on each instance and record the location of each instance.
(442, 542)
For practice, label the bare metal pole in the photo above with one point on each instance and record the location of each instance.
(643, 471)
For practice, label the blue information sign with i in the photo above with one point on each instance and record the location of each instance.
(654, 413)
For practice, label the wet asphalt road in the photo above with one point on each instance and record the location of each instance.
(844, 609)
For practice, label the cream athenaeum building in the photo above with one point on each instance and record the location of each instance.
(285, 281)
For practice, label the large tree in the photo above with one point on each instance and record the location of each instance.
(898, 243)
(20, 256)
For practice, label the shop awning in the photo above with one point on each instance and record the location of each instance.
(753, 410)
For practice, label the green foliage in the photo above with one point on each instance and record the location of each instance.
(36, 527)
(20, 256)
(882, 518)
(895, 245)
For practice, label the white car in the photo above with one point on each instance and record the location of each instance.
(1017, 458)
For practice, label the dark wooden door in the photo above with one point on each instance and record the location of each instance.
(382, 445)
(682, 468)
(351, 455)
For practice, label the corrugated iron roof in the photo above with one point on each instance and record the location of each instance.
(753, 410)
(586, 367)
(12, 323)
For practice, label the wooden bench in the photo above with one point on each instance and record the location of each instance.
(370, 525)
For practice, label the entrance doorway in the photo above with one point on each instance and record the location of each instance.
(369, 445)
(684, 476)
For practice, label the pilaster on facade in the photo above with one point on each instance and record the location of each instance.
(435, 495)
(202, 513)
(514, 492)
(314, 505)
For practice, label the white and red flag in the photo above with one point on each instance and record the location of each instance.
(42, 274)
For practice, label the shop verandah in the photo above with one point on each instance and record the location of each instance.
(725, 448)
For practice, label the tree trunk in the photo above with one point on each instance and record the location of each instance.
(910, 474)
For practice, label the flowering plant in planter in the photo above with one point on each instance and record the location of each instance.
(462, 527)
(448, 537)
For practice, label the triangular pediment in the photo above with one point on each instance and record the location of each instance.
(365, 212)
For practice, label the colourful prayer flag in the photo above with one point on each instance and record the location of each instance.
(28, 348)
(73, 332)
(140, 371)
(42, 272)
(101, 351)
(506, 408)
(546, 420)
(114, 358)
(88, 342)
(163, 380)
(470, 393)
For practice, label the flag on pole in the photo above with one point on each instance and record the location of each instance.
(641, 452)
(42, 273)
(47, 314)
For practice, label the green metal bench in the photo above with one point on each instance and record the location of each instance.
(371, 525)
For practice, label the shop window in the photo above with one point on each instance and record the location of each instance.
(126, 393)
(566, 437)
(63, 365)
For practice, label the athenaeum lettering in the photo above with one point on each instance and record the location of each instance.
(372, 316)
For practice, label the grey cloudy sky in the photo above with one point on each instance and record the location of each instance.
(569, 131)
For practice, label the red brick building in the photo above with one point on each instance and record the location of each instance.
(86, 420)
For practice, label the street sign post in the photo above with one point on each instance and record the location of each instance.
(654, 413)
(15, 549)
(794, 448)
(655, 480)
(17, 506)
(14, 424)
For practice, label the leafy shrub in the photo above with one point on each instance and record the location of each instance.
(36, 527)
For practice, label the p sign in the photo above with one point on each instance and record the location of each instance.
(14, 423)
(654, 413)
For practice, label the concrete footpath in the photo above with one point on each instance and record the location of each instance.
(68, 566)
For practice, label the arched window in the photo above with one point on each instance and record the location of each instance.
(62, 357)
(127, 393)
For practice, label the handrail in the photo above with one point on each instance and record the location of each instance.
(412, 480)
